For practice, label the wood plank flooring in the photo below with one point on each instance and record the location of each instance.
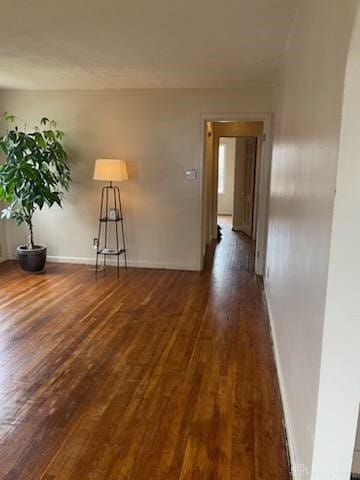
(160, 375)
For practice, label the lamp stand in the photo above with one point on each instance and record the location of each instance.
(102, 246)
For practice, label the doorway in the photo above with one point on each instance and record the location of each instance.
(239, 146)
(237, 183)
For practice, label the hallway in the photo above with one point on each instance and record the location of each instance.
(160, 375)
(241, 246)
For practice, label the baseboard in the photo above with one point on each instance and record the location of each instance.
(112, 262)
(287, 417)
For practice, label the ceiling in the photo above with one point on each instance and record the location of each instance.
(142, 43)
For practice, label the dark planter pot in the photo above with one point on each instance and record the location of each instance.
(32, 260)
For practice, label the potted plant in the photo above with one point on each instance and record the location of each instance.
(35, 173)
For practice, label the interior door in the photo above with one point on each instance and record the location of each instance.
(244, 185)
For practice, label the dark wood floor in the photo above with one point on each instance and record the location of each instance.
(159, 375)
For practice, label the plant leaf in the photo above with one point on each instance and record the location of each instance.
(35, 172)
(9, 118)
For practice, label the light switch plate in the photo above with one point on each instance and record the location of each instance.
(190, 174)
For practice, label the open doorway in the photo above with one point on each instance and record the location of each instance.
(236, 183)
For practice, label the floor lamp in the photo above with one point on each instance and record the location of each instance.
(110, 170)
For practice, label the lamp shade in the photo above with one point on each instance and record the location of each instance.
(109, 169)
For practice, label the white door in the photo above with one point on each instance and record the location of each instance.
(244, 185)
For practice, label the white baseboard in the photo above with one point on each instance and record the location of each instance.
(285, 403)
(112, 262)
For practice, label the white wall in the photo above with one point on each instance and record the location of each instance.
(307, 128)
(339, 392)
(159, 132)
(226, 199)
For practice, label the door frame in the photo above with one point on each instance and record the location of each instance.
(264, 183)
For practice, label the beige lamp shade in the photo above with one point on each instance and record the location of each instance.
(111, 170)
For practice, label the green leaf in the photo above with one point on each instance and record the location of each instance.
(3, 146)
(35, 172)
(40, 139)
(9, 118)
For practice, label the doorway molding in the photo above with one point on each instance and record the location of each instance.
(264, 183)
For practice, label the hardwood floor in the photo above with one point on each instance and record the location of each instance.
(158, 375)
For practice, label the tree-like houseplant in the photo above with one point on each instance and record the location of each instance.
(35, 173)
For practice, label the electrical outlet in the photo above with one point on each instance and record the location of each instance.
(95, 243)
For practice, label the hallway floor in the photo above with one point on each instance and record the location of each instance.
(158, 375)
(240, 244)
